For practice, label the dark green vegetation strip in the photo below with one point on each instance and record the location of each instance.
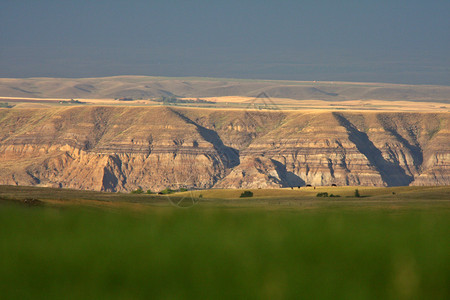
(67, 195)
(81, 253)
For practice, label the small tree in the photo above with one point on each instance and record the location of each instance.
(357, 193)
(138, 191)
(167, 191)
(246, 194)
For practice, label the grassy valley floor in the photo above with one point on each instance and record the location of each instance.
(391, 243)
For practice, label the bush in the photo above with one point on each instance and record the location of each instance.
(150, 192)
(167, 191)
(5, 105)
(246, 194)
(138, 191)
(357, 193)
(183, 190)
(325, 194)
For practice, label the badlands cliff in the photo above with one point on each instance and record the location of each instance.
(124, 148)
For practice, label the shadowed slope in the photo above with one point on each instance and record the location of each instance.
(391, 173)
(229, 155)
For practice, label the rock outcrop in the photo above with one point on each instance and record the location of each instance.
(124, 148)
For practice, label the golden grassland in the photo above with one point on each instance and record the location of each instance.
(303, 198)
(240, 102)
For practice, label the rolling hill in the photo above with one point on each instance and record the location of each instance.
(145, 87)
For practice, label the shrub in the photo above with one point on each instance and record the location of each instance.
(167, 191)
(138, 191)
(325, 194)
(357, 193)
(331, 195)
(246, 194)
(6, 105)
(150, 192)
(183, 190)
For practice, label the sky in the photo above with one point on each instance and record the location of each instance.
(393, 41)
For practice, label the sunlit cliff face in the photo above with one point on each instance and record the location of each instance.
(123, 148)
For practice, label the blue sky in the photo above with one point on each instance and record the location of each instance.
(384, 41)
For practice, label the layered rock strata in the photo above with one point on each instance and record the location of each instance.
(125, 148)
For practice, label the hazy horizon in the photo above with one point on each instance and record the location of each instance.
(360, 41)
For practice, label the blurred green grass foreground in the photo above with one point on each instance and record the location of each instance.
(223, 253)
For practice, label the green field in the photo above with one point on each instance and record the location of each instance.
(282, 244)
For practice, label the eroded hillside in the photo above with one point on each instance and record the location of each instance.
(123, 148)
